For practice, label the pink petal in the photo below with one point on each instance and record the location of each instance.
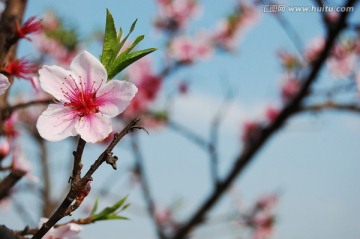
(94, 128)
(35, 83)
(115, 96)
(70, 230)
(56, 123)
(89, 69)
(4, 84)
(54, 80)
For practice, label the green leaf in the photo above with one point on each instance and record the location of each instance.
(110, 41)
(131, 30)
(109, 212)
(114, 62)
(125, 207)
(123, 61)
(137, 41)
(115, 217)
(93, 210)
(119, 35)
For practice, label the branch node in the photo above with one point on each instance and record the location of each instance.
(131, 129)
(111, 159)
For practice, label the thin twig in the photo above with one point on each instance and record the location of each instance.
(19, 106)
(139, 166)
(289, 29)
(214, 135)
(187, 133)
(48, 204)
(355, 108)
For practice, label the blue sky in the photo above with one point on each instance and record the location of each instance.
(313, 161)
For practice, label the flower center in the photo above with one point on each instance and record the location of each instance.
(81, 98)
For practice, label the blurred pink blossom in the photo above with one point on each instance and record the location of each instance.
(54, 49)
(314, 49)
(50, 21)
(183, 87)
(174, 14)
(271, 113)
(10, 128)
(289, 87)
(19, 161)
(342, 66)
(250, 131)
(186, 50)
(4, 84)
(68, 231)
(332, 17)
(267, 201)
(262, 233)
(4, 149)
(141, 74)
(163, 215)
(228, 31)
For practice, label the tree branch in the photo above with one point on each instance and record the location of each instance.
(9, 181)
(77, 186)
(10, 109)
(13, 12)
(76, 175)
(245, 158)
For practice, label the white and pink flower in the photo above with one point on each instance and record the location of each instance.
(4, 84)
(86, 100)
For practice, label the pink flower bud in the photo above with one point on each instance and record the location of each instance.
(21, 68)
(30, 26)
(271, 113)
(290, 86)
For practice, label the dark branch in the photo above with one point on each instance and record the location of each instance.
(9, 182)
(76, 175)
